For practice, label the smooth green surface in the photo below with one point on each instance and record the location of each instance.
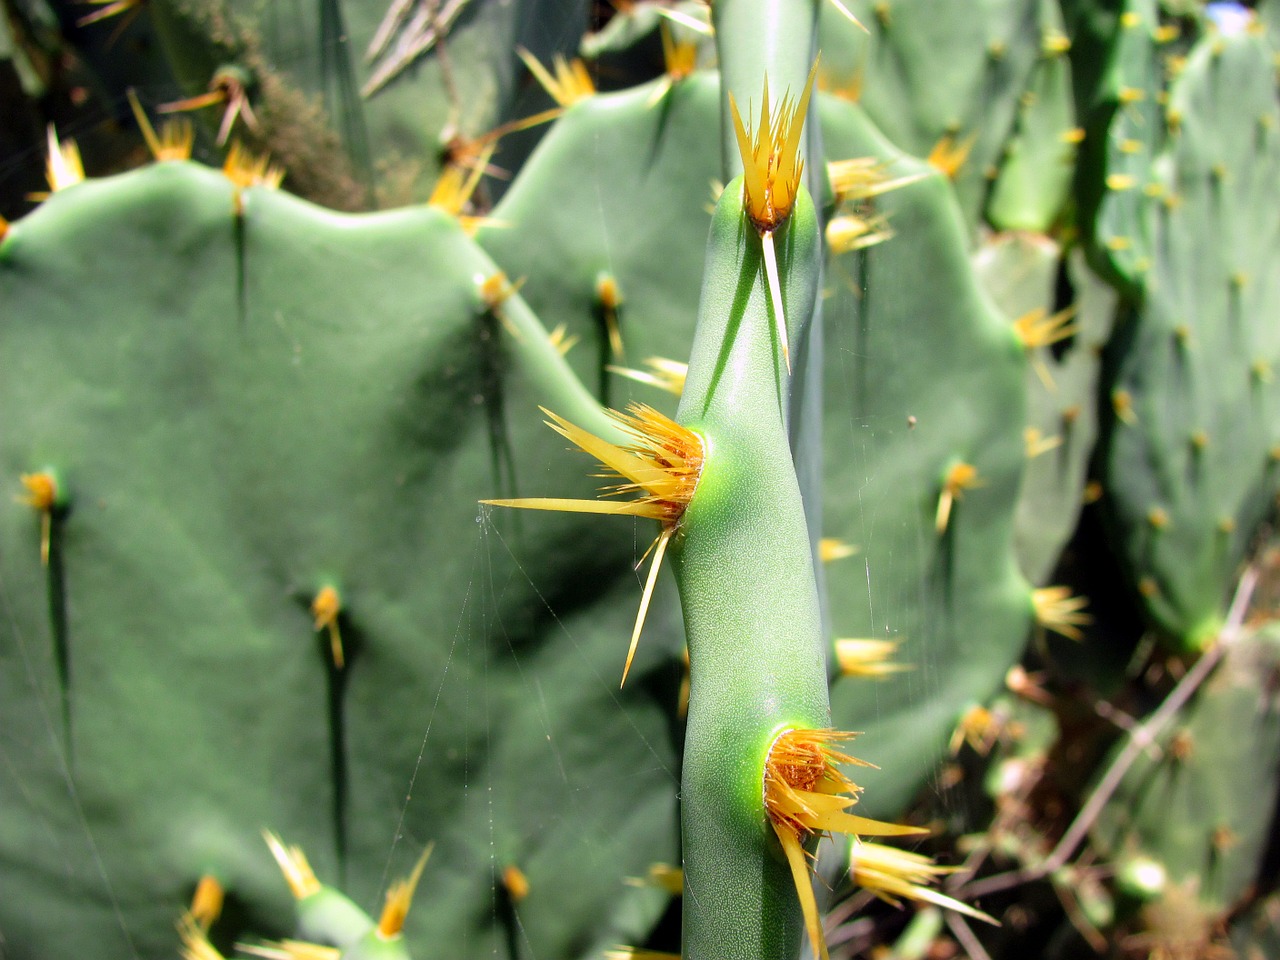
(249, 414)
(750, 600)
(946, 67)
(1020, 272)
(912, 335)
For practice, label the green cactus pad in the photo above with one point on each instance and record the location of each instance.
(246, 409)
(1191, 451)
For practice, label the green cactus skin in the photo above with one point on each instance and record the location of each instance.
(230, 445)
(1020, 272)
(750, 600)
(1039, 157)
(950, 68)
(1190, 451)
(938, 352)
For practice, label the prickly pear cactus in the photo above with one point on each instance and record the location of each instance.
(282, 401)
(1190, 450)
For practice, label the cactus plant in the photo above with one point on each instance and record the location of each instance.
(245, 481)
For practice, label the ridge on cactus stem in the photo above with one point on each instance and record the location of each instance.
(662, 466)
(772, 170)
(806, 794)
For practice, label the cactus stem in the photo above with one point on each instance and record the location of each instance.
(400, 899)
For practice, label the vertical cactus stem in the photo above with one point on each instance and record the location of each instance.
(772, 172)
(325, 608)
(46, 495)
(806, 794)
(400, 899)
(662, 464)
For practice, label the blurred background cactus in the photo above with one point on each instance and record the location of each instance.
(245, 584)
